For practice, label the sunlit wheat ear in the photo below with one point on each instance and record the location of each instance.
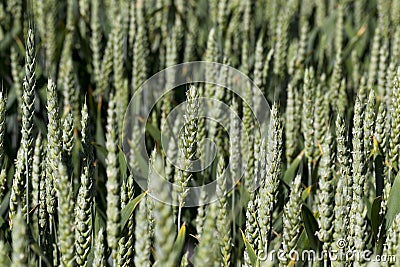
(16, 196)
(369, 123)
(270, 180)
(86, 141)
(95, 41)
(394, 138)
(259, 62)
(99, 259)
(325, 192)
(65, 64)
(343, 194)
(308, 114)
(223, 223)
(42, 209)
(113, 179)
(49, 34)
(188, 145)
(291, 125)
(37, 169)
(201, 213)
(357, 224)
(211, 56)
(19, 241)
(66, 224)
(392, 71)
(292, 219)
(164, 228)
(373, 65)
(281, 43)
(132, 23)
(392, 244)
(321, 116)
(140, 50)
(247, 138)
(381, 137)
(383, 67)
(142, 234)
(126, 242)
(106, 66)
(83, 217)
(68, 140)
(190, 39)
(37, 179)
(70, 91)
(320, 11)
(206, 251)
(122, 249)
(252, 231)
(121, 91)
(54, 149)
(28, 99)
(17, 75)
(234, 140)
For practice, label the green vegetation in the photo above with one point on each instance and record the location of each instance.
(328, 175)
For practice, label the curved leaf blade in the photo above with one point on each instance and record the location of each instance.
(129, 208)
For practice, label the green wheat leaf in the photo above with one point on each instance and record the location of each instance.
(311, 225)
(129, 208)
(393, 207)
(290, 173)
(250, 250)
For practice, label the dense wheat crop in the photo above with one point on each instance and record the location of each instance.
(321, 189)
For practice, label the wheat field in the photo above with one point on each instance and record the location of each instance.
(314, 182)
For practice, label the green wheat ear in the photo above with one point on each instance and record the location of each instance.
(392, 244)
(113, 181)
(369, 123)
(292, 219)
(206, 249)
(188, 145)
(325, 193)
(17, 76)
(308, 109)
(95, 41)
(83, 217)
(66, 237)
(394, 137)
(121, 90)
(99, 250)
(142, 234)
(164, 228)
(28, 99)
(343, 194)
(223, 221)
(270, 181)
(357, 225)
(16, 196)
(54, 145)
(140, 50)
(291, 125)
(20, 241)
(252, 231)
